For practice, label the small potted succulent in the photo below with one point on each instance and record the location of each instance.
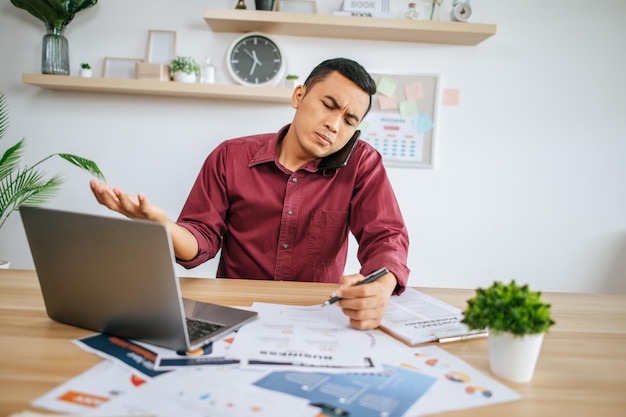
(184, 69)
(291, 80)
(85, 70)
(517, 320)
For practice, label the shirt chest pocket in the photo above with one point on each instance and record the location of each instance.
(328, 243)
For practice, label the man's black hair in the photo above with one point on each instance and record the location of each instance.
(350, 69)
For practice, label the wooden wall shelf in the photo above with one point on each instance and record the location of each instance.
(347, 27)
(159, 88)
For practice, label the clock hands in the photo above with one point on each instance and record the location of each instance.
(255, 60)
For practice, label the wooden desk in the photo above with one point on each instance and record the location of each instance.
(581, 370)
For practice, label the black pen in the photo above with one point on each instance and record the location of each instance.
(370, 278)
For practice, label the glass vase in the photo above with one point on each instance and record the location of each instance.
(55, 54)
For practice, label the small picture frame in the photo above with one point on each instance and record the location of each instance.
(161, 46)
(119, 67)
(296, 6)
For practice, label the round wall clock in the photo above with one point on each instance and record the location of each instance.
(254, 59)
(461, 11)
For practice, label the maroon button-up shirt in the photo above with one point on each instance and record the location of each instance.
(272, 223)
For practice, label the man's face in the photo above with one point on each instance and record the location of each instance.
(327, 115)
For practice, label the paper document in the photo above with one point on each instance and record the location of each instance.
(417, 318)
(307, 338)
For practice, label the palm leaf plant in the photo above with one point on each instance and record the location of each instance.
(28, 184)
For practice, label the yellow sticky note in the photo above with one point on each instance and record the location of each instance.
(408, 108)
(414, 91)
(386, 86)
(387, 103)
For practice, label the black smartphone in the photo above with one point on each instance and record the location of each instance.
(340, 158)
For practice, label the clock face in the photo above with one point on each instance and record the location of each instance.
(461, 11)
(255, 60)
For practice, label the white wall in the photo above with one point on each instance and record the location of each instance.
(530, 169)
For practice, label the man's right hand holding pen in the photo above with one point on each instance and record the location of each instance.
(365, 303)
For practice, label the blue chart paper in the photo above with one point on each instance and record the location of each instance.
(364, 395)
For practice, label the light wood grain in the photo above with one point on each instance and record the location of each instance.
(147, 87)
(581, 369)
(348, 27)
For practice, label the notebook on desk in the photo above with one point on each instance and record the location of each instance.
(117, 276)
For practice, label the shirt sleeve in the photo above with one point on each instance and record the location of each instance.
(376, 221)
(204, 216)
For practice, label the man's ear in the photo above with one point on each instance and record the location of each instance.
(296, 97)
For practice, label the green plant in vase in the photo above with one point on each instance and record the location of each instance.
(56, 15)
(517, 320)
(21, 185)
(184, 69)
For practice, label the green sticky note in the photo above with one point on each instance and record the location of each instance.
(386, 86)
(408, 108)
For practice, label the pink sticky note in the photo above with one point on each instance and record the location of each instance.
(450, 97)
(387, 103)
(414, 91)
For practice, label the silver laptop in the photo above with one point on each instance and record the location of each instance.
(117, 276)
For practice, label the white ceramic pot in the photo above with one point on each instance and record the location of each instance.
(514, 358)
(291, 83)
(5, 264)
(85, 72)
(184, 77)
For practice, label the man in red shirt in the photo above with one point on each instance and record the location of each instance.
(280, 205)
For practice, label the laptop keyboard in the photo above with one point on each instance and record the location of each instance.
(198, 328)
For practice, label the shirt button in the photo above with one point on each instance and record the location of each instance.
(285, 246)
(290, 212)
(294, 180)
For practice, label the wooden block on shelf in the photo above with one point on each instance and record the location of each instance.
(147, 71)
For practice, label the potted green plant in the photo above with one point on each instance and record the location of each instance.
(184, 69)
(291, 80)
(21, 185)
(85, 70)
(517, 320)
(56, 15)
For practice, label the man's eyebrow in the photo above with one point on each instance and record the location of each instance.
(337, 106)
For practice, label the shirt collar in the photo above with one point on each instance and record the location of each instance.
(268, 152)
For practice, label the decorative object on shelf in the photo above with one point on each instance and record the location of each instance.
(291, 81)
(27, 185)
(207, 72)
(517, 320)
(161, 47)
(56, 15)
(120, 67)
(184, 69)
(241, 5)
(295, 6)
(429, 7)
(411, 13)
(146, 71)
(264, 4)
(85, 70)
(461, 11)
(254, 59)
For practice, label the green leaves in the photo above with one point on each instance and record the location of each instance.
(184, 64)
(508, 308)
(28, 185)
(54, 12)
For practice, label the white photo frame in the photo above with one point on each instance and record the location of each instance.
(296, 6)
(161, 46)
(119, 67)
